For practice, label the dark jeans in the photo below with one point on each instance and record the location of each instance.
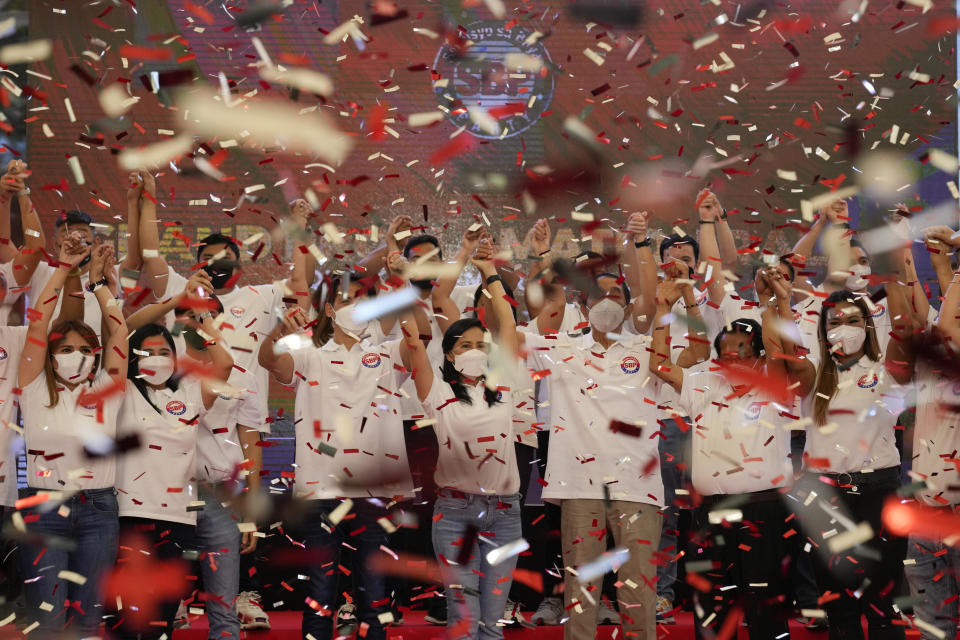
(875, 567)
(166, 542)
(674, 449)
(749, 554)
(84, 542)
(323, 541)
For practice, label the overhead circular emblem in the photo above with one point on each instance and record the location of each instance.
(499, 85)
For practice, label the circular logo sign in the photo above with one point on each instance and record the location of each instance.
(498, 86)
(868, 381)
(630, 365)
(177, 408)
(370, 360)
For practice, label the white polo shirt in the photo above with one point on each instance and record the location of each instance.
(14, 291)
(349, 430)
(588, 387)
(248, 316)
(12, 340)
(55, 436)
(859, 433)
(476, 440)
(936, 436)
(739, 444)
(158, 479)
(218, 444)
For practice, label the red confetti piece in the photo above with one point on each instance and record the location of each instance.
(155, 54)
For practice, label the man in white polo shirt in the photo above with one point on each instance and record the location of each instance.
(603, 466)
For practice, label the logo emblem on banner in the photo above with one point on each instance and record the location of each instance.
(495, 76)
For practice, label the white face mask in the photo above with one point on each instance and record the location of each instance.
(74, 366)
(857, 280)
(156, 369)
(470, 363)
(606, 315)
(344, 319)
(849, 337)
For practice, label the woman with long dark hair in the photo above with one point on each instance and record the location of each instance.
(471, 402)
(157, 478)
(72, 389)
(853, 399)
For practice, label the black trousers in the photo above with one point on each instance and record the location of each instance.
(166, 542)
(873, 569)
(746, 565)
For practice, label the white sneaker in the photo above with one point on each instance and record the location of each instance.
(252, 615)
(550, 612)
(182, 621)
(607, 614)
(346, 620)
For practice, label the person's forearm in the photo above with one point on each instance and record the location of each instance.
(446, 284)
(7, 249)
(808, 241)
(154, 313)
(710, 255)
(26, 260)
(253, 454)
(46, 302)
(72, 307)
(727, 245)
(698, 347)
(374, 261)
(941, 267)
(134, 258)
(537, 267)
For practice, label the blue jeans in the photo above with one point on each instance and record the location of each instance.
(218, 539)
(323, 542)
(934, 584)
(674, 468)
(85, 542)
(476, 590)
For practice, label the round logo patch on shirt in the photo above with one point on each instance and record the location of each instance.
(237, 312)
(630, 365)
(371, 360)
(177, 408)
(3, 353)
(753, 411)
(879, 311)
(89, 407)
(868, 381)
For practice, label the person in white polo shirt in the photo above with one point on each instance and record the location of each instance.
(350, 453)
(71, 393)
(603, 466)
(740, 462)
(156, 480)
(472, 403)
(853, 397)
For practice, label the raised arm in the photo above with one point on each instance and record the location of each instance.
(154, 271)
(134, 259)
(508, 336)
(698, 347)
(899, 358)
(280, 365)
(949, 320)
(304, 264)
(220, 360)
(114, 332)
(708, 208)
(155, 313)
(445, 310)
(34, 241)
(640, 271)
(668, 292)
(374, 261)
(781, 335)
(940, 244)
(33, 359)
(534, 293)
(10, 185)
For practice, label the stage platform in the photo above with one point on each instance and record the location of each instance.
(286, 626)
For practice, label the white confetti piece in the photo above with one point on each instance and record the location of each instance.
(267, 123)
(850, 538)
(74, 163)
(594, 57)
(523, 62)
(943, 161)
(704, 40)
(26, 52)
(341, 510)
(607, 562)
(156, 154)
(508, 550)
(385, 304)
(483, 120)
(72, 576)
(115, 101)
(304, 79)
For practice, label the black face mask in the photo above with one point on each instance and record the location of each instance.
(423, 285)
(220, 272)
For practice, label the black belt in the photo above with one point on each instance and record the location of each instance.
(847, 480)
